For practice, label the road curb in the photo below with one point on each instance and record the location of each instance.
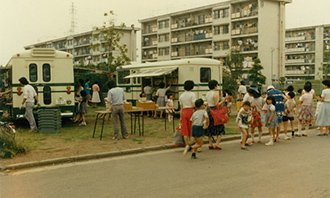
(77, 158)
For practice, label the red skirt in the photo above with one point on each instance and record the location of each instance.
(256, 120)
(186, 123)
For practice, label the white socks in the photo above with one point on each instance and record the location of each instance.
(299, 128)
(259, 136)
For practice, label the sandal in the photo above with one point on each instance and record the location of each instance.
(211, 147)
(218, 148)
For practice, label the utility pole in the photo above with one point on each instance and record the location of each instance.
(73, 23)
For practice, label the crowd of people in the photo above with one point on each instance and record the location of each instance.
(275, 108)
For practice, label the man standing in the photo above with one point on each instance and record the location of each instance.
(116, 97)
(29, 94)
(279, 107)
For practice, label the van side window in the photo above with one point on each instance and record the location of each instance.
(46, 72)
(33, 72)
(205, 74)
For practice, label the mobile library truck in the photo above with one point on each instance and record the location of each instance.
(133, 78)
(49, 71)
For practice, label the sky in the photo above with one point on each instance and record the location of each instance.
(25, 22)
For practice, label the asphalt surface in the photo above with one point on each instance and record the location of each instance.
(293, 168)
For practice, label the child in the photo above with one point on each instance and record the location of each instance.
(290, 107)
(271, 119)
(229, 102)
(170, 103)
(305, 111)
(243, 121)
(197, 120)
(82, 107)
(257, 104)
(318, 108)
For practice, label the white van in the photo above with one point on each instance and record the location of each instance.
(133, 78)
(49, 71)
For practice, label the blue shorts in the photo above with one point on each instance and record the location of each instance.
(197, 131)
(279, 118)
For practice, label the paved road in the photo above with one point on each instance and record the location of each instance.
(297, 168)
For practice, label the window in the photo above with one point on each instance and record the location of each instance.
(217, 46)
(167, 23)
(47, 95)
(223, 29)
(160, 25)
(225, 13)
(216, 30)
(163, 51)
(164, 38)
(46, 72)
(205, 74)
(226, 45)
(33, 72)
(216, 14)
(187, 50)
(201, 19)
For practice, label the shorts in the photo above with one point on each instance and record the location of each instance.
(197, 131)
(279, 118)
(286, 118)
(229, 104)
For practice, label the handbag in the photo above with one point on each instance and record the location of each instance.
(219, 115)
(178, 138)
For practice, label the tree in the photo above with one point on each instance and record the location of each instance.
(110, 42)
(233, 70)
(256, 76)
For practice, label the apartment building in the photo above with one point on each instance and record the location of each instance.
(304, 51)
(256, 28)
(79, 45)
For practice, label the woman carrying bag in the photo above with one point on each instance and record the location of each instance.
(217, 115)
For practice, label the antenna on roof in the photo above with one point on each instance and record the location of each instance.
(73, 23)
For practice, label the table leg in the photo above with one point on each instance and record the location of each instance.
(142, 125)
(102, 126)
(131, 124)
(138, 114)
(165, 122)
(97, 115)
(134, 122)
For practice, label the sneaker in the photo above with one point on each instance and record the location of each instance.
(320, 134)
(114, 138)
(199, 150)
(193, 157)
(126, 137)
(82, 124)
(287, 138)
(298, 134)
(186, 150)
(304, 134)
(252, 141)
(326, 134)
(269, 144)
(244, 148)
(259, 141)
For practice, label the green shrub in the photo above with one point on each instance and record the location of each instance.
(10, 147)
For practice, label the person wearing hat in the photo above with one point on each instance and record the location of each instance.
(279, 107)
